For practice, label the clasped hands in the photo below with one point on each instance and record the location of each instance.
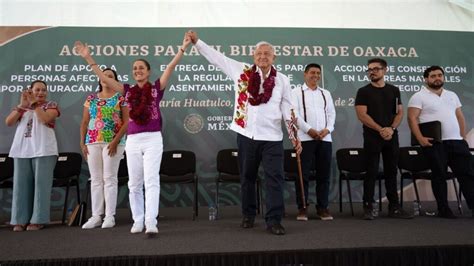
(386, 133)
(318, 135)
(192, 35)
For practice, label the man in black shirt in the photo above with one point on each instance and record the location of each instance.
(379, 108)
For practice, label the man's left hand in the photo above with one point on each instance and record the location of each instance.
(323, 133)
(386, 133)
(297, 146)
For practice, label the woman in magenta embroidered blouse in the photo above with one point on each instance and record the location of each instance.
(144, 145)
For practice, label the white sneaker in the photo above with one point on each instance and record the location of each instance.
(151, 230)
(136, 228)
(109, 222)
(93, 222)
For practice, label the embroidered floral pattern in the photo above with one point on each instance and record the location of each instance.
(254, 86)
(29, 128)
(99, 124)
(51, 105)
(92, 136)
(240, 117)
(249, 92)
(116, 117)
(105, 118)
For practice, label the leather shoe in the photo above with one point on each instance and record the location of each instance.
(446, 213)
(276, 229)
(247, 222)
(399, 213)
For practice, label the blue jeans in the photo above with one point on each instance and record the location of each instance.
(270, 153)
(32, 182)
(316, 155)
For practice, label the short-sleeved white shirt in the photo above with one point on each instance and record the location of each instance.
(34, 138)
(438, 108)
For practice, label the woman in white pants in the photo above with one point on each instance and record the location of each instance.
(144, 145)
(103, 127)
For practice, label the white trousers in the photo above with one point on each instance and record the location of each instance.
(103, 170)
(144, 151)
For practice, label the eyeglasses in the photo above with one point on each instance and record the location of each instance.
(375, 69)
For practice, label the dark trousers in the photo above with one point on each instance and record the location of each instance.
(270, 153)
(390, 151)
(456, 155)
(316, 155)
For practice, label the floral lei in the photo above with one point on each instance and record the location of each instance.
(254, 86)
(249, 83)
(140, 100)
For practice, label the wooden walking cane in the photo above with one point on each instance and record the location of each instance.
(294, 129)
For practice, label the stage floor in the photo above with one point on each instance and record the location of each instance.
(179, 235)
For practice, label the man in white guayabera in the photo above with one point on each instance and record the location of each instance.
(262, 99)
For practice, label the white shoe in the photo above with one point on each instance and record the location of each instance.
(93, 222)
(109, 222)
(136, 228)
(151, 230)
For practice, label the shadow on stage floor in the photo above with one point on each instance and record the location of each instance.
(346, 240)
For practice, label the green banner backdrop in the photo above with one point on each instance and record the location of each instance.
(198, 102)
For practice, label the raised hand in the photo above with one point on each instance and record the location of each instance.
(186, 41)
(24, 102)
(82, 49)
(29, 96)
(193, 35)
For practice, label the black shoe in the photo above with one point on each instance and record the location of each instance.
(276, 229)
(446, 213)
(399, 213)
(247, 222)
(368, 213)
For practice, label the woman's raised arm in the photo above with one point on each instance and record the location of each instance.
(83, 50)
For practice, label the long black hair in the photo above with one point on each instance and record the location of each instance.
(115, 76)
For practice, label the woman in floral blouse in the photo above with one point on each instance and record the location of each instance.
(104, 123)
(144, 140)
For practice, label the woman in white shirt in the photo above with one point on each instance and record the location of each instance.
(34, 151)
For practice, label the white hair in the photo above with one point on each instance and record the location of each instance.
(264, 43)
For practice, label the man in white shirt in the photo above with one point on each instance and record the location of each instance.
(317, 116)
(434, 103)
(262, 98)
